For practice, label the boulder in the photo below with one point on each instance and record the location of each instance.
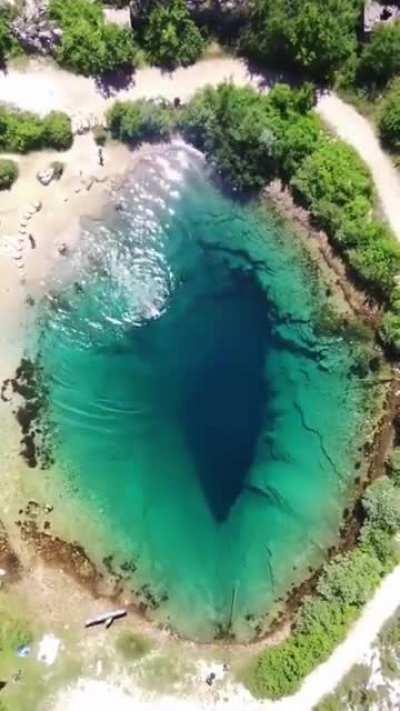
(35, 31)
(46, 176)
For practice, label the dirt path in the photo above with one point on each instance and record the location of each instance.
(356, 130)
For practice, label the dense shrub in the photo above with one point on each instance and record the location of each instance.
(90, 46)
(389, 121)
(245, 134)
(299, 140)
(279, 670)
(171, 37)
(333, 173)
(22, 131)
(377, 260)
(380, 59)
(382, 505)
(390, 330)
(336, 186)
(5, 36)
(57, 131)
(314, 36)
(350, 579)
(8, 173)
(142, 120)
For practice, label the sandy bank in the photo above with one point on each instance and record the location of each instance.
(37, 221)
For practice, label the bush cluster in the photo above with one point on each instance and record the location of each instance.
(336, 187)
(91, 46)
(248, 136)
(380, 58)
(312, 36)
(170, 36)
(389, 120)
(5, 36)
(141, 120)
(8, 173)
(346, 583)
(22, 131)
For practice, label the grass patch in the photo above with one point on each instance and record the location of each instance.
(132, 646)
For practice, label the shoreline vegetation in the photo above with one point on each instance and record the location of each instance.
(251, 139)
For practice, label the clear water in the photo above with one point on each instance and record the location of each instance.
(194, 400)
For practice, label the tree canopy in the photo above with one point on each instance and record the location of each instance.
(90, 46)
(141, 120)
(23, 131)
(313, 36)
(244, 133)
(171, 37)
(389, 120)
(5, 36)
(8, 173)
(380, 59)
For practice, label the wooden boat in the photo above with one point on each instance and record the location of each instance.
(107, 618)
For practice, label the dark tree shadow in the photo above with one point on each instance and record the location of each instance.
(267, 77)
(111, 83)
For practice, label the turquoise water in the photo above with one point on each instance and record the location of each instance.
(194, 401)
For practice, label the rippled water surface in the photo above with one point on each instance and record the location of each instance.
(193, 400)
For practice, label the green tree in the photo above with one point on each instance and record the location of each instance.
(5, 36)
(8, 173)
(171, 37)
(22, 131)
(57, 130)
(380, 59)
(390, 329)
(90, 46)
(333, 173)
(382, 505)
(136, 121)
(299, 140)
(389, 121)
(245, 134)
(378, 261)
(350, 579)
(314, 36)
